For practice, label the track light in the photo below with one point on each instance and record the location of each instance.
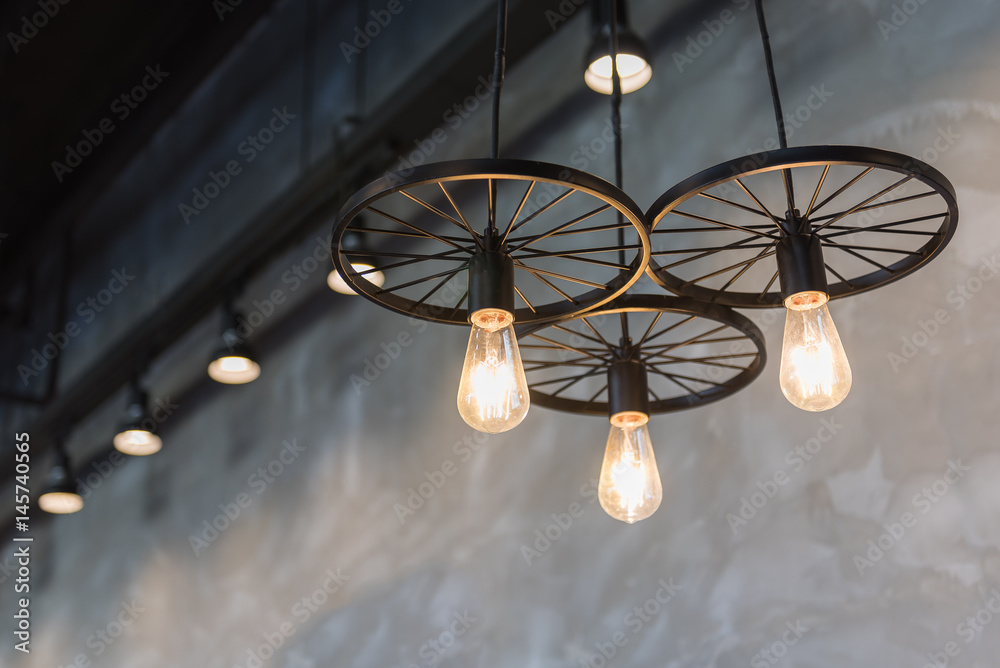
(233, 362)
(353, 242)
(61, 496)
(634, 61)
(137, 433)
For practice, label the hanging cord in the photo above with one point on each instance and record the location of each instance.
(775, 100)
(499, 65)
(616, 124)
(308, 76)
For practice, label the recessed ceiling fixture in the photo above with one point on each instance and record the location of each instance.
(137, 432)
(689, 353)
(491, 242)
(233, 362)
(61, 496)
(867, 217)
(634, 62)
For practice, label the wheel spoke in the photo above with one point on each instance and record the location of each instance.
(738, 245)
(446, 274)
(589, 374)
(837, 274)
(719, 223)
(649, 329)
(554, 274)
(860, 256)
(759, 204)
(760, 256)
(673, 379)
(751, 261)
(671, 328)
(525, 300)
(871, 199)
(722, 200)
(433, 209)
(713, 249)
(886, 227)
(559, 228)
(549, 284)
(416, 257)
(767, 287)
(517, 213)
(402, 222)
(542, 210)
(400, 233)
(878, 205)
(475, 237)
(582, 351)
(581, 230)
(597, 394)
(597, 334)
(843, 188)
(819, 186)
(566, 330)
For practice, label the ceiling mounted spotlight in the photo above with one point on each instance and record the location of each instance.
(867, 218)
(354, 242)
(137, 432)
(688, 354)
(488, 243)
(61, 495)
(634, 61)
(233, 362)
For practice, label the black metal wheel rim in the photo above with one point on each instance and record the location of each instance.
(694, 353)
(880, 215)
(558, 223)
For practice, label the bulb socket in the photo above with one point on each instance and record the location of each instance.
(491, 282)
(800, 265)
(628, 388)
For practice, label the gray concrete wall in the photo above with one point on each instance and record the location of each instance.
(319, 554)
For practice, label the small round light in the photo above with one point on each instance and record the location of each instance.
(137, 442)
(635, 72)
(60, 503)
(338, 284)
(233, 370)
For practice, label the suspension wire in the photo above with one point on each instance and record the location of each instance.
(616, 123)
(308, 77)
(775, 98)
(499, 65)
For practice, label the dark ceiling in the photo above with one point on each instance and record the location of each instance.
(64, 80)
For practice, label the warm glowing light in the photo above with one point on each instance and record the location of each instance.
(60, 503)
(137, 442)
(629, 488)
(815, 374)
(493, 392)
(338, 284)
(634, 71)
(234, 370)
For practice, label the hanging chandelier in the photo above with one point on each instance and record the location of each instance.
(745, 233)
(686, 353)
(515, 241)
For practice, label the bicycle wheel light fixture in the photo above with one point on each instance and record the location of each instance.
(137, 432)
(633, 59)
(487, 243)
(690, 353)
(868, 217)
(61, 496)
(233, 362)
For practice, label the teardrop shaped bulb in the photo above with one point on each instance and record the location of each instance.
(815, 374)
(629, 489)
(493, 392)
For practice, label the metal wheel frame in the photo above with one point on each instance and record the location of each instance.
(635, 303)
(786, 161)
(492, 170)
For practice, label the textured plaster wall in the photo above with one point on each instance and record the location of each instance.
(319, 559)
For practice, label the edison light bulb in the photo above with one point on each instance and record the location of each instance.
(630, 488)
(815, 373)
(234, 369)
(493, 392)
(60, 503)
